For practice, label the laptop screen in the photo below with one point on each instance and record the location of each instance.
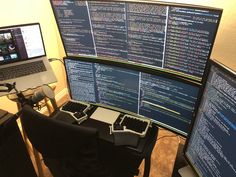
(20, 42)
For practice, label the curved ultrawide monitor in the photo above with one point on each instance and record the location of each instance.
(176, 38)
(168, 101)
(211, 146)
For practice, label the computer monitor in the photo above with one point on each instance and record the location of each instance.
(23, 58)
(210, 149)
(166, 100)
(176, 38)
(20, 42)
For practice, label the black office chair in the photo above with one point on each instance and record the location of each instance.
(68, 150)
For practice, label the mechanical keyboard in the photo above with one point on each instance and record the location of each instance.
(132, 124)
(76, 109)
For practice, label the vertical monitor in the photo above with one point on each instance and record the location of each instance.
(20, 42)
(211, 146)
(172, 37)
(167, 101)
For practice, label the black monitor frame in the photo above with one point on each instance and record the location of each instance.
(161, 4)
(222, 68)
(140, 69)
(18, 26)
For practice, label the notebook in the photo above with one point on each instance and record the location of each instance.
(23, 57)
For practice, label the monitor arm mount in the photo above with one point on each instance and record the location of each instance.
(20, 97)
(34, 100)
(9, 87)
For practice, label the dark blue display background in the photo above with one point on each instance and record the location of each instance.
(74, 23)
(211, 147)
(167, 37)
(165, 101)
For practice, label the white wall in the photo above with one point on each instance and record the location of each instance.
(224, 49)
(13, 12)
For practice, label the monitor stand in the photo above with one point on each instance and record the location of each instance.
(187, 171)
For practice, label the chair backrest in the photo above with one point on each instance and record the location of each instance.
(68, 150)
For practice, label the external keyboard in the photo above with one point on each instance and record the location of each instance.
(132, 124)
(124, 123)
(22, 70)
(76, 109)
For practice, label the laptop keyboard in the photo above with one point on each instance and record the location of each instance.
(22, 70)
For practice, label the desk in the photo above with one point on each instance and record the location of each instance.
(125, 158)
(14, 158)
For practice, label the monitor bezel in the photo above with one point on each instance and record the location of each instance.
(145, 70)
(2, 28)
(223, 68)
(161, 3)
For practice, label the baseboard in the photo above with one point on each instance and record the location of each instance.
(59, 96)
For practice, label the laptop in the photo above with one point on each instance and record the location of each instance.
(23, 57)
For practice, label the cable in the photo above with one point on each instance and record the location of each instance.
(163, 129)
(179, 136)
(183, 138)
(167, 136)
(56, 59)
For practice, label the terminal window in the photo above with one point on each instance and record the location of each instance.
(174, 38)
(211, 147)
(166, 101)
